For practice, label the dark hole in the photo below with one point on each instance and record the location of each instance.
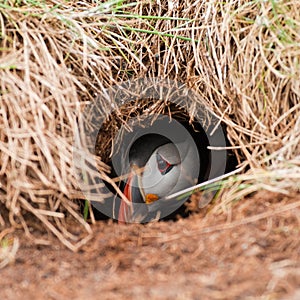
(199, 136)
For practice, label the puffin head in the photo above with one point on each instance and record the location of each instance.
(158, 167)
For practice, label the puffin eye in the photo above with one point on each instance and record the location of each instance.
(163, 166)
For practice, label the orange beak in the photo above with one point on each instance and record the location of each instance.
(125, 211)
(135, 194)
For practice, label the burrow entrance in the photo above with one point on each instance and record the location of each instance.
(135, 121)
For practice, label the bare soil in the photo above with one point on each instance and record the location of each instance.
(251, 251)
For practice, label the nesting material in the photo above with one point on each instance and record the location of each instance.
(241, 57)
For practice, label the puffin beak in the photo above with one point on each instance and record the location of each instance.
(125, 210)
(134, 194)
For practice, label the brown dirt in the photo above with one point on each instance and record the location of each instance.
(251, 251)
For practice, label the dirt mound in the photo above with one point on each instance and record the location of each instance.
(250, 252)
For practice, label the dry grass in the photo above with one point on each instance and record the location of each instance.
(242, 57)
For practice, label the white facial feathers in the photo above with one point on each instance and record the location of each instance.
(184, 158)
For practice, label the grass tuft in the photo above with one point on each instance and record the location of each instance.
(242, 57)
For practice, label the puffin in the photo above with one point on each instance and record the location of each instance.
(158, 167)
